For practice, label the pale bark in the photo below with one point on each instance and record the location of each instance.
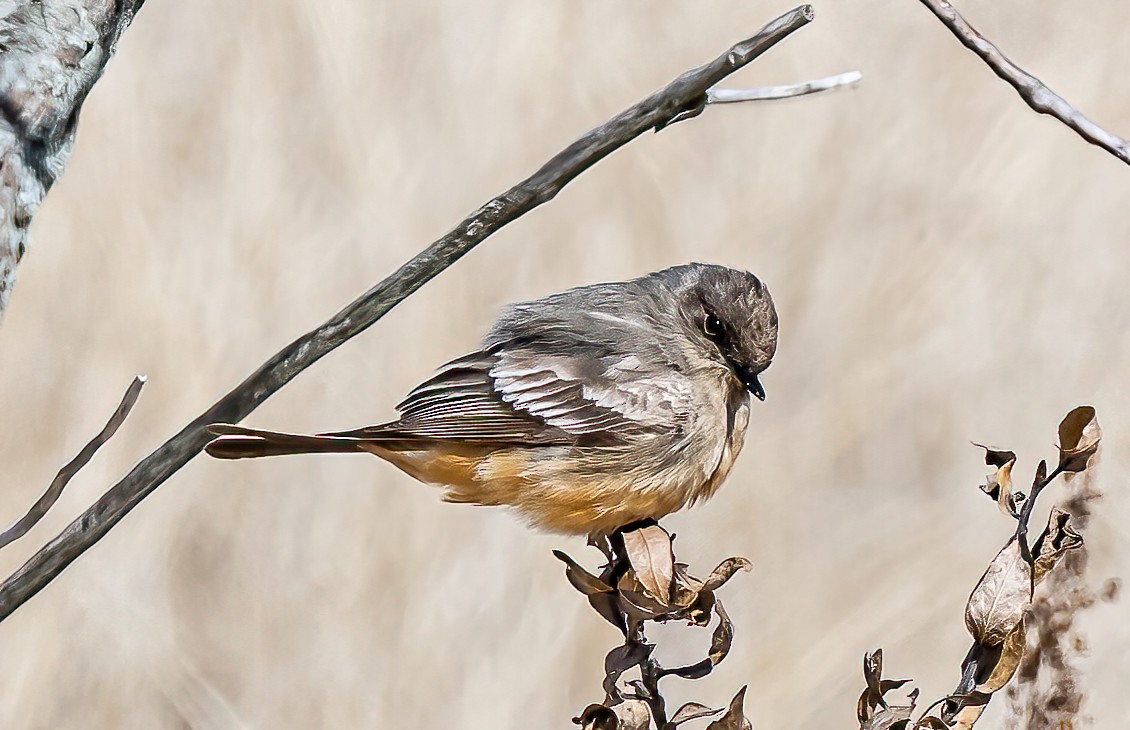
(51, 54)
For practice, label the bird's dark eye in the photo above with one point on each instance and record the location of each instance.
(712, 326)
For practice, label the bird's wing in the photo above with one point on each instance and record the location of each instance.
(524, 397)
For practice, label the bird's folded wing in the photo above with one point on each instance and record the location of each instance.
(524, 397)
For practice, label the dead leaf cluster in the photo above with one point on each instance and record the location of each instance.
(996, 614)
(643, 583)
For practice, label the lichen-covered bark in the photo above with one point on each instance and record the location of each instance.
(51, 54)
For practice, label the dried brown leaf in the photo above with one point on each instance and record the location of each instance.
(691, 711)
(726, 570)
(720, 643)
(685, 588)
(959, 706)
(997, 604)
(636, 601)
(872, 696)
(895, 717)
(597, 717)
(999, 664)
(634, 715)
(930, 723)
(649, 552)
(620, 660)
(967, 717)
(701, 610)
(1079, 436)
(601, 596)
(876, 687)
(690, 600)
(1057, 538)
(723, 637)
(581, 579)
(735, 718)
(998, 485)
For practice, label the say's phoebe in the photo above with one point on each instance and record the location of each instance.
(584, 411)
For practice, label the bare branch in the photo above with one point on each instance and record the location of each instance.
(1031, 89)
(768, 93)
(52, 54)
(45, 502)
(683, 98)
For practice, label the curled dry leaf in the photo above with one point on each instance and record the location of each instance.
(581, 579)
(691, 711)
(1079, 436)
(642, 583)
(637, 602)
(649, 552)
(963, 712)
(930, 723)
(725, 570)
(620, 660)
(694, 603)
(997, 604)
(998, 485)
(876, 687)
(1057, 538)
(967, 717)
(723, 637)
(987, 669)
(735, 718)
(895, 717)
(999, 664)
(601, 596)
(720, 643)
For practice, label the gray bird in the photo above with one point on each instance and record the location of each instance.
(586, 410)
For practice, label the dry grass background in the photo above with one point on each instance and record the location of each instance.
(948, 266)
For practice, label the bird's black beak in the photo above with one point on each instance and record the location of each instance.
(752, 384)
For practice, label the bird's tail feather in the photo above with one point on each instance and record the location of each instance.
(239, 442)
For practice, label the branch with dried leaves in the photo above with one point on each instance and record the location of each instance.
(1033, 91)
(51, 55)
(682, 99)
(642, 583)
(997, 613)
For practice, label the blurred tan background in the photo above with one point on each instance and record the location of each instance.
(948, 267)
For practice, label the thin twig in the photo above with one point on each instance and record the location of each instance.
(1031, 89)
(768, 93)
(1026, 511)
(55, 489)
(683, 98)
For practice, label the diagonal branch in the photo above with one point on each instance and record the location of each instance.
(1031, 89)
(72, 467)
(683, 98)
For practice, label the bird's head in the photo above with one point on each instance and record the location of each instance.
(730, 316)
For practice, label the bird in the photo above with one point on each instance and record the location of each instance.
(585, 411)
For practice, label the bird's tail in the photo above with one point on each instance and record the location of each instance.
(238, 442)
